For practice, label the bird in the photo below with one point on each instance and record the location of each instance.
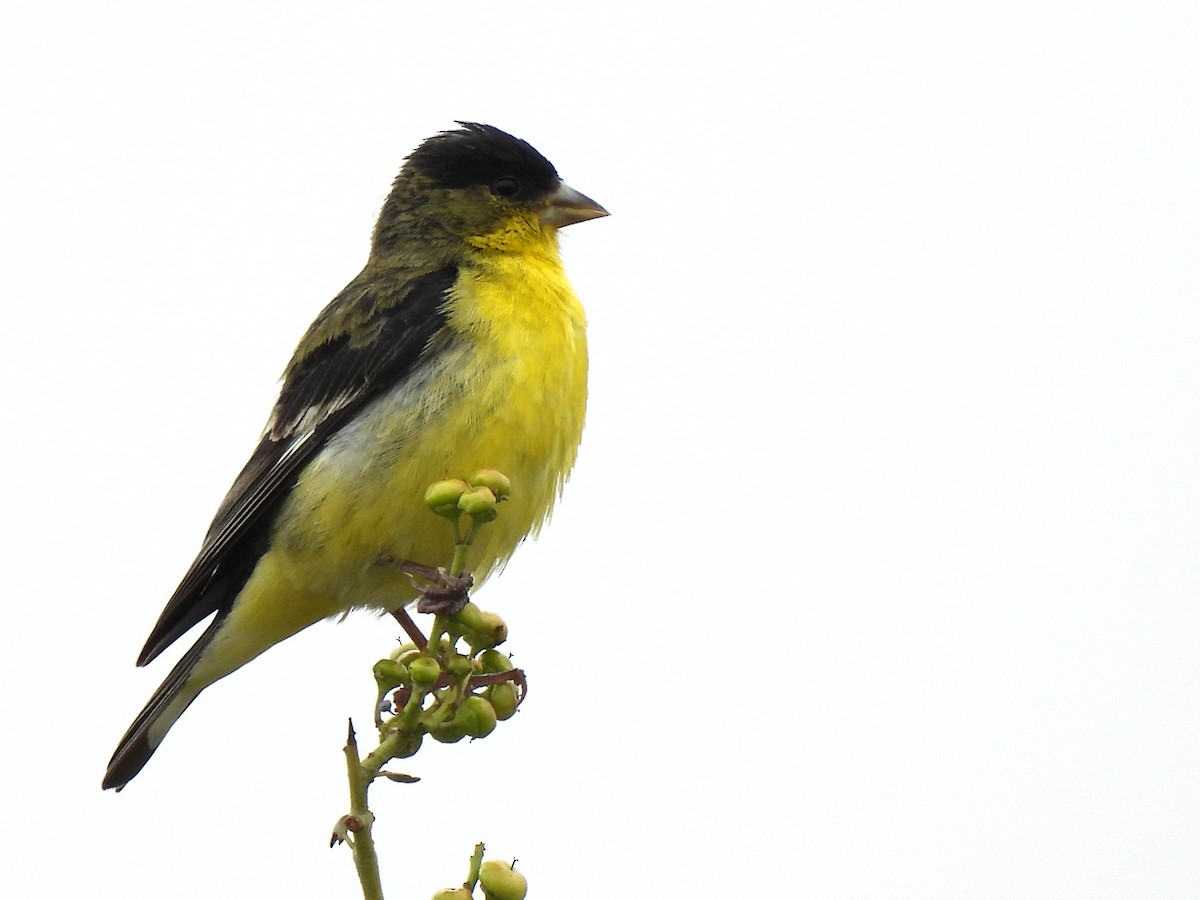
(460, 345)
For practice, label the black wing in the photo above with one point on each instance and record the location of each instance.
(374, 334)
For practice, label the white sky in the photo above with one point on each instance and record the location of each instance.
(878, 573)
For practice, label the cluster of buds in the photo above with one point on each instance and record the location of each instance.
(477, 496)
(446, 693)
(440, 690)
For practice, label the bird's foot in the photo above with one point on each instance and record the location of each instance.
(442, 594)
(446, 596)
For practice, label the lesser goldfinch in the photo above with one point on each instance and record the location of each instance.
(460, 345)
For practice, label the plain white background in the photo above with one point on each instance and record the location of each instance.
(878, 573)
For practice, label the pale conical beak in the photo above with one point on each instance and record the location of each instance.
(566, 206)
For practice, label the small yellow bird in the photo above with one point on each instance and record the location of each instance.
(459, 346)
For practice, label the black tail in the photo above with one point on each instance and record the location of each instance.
(152, 723)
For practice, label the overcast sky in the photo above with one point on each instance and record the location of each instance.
(877, 576)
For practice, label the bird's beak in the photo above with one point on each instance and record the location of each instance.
(566, 206)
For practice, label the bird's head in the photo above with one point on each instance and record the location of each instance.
(479, 185)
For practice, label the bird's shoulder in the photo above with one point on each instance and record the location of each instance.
(372, 332)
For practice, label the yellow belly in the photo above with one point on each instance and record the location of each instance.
(362, 498)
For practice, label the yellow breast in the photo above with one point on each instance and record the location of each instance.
(504, 387)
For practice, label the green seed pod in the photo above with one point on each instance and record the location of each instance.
(458, 665)
(494, 662)
(408, 744)
(406, 657)
(476, 716)
(390, 674)
(500, 881)
(445, 493)
(449, 732)
(424, 671)
(497, 482)
(503, 698)
(458, 893)
(481, 629)
(491, 630)
(469, 617)
(477, 500)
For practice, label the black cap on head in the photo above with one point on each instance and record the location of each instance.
(483, 155)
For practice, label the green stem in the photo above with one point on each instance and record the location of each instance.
(473, 871)
(391, 747)
(460, 554)
(434, 645)
(409, 717)
(366, 860)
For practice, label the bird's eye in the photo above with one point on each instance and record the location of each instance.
(506, 186)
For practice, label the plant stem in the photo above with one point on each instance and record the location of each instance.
(473, 870)
(460, 556)
(366, 861)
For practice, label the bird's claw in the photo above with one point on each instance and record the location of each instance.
(443, 594)
(446, 595)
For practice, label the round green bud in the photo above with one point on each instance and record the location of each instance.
(495, 481)
(406, 657)
(458, 665)
(477, 500)
(494, 662)
(390, 674)
(503, 698)
(500, 881)
(481, 629)
(490, 631)
(476, 716)
(458, 893)
(424, 671)
(469, 617)
(449, 732)
(408, 744)
(445, 493)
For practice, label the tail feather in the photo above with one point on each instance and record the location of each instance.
(173, 696)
